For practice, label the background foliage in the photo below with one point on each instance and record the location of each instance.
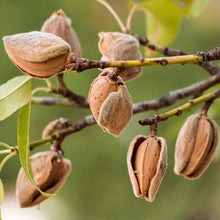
(99, 186)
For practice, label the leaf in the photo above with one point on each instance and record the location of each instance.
(191, 7)
(24, 146)
(162, 20)
(131, 4)
(13, 95)
(1, 193)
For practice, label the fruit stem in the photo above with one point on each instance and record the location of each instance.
(153, 129)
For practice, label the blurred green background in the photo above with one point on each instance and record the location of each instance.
(99, 187)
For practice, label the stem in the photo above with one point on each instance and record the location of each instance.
(54, 101)
(206, 106)
(195, 89)
(7, 158)
(5, 151)
(49, 85)
(163, 61)
(178, 111)
(43, 141)
(83, 64)
(65, 92)
(87, 121)
(153, 129)
(115, 15)
(6, 145)
(208, 66)
(130, 15)
(155, 104)
(43, 89)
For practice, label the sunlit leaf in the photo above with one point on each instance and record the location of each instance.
(162, 20)
(131, 5)
(24, 146)
(191, 7)
(13, 95)
(1, 192)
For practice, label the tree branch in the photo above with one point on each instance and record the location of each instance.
(208, 66)
(81, 64)
(50, 101)
(195, 89)
(65, 92)
(89, 120)
(178, 111)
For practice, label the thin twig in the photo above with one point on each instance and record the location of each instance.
(115, 15)
(65, 92)
(178, 111)
(6, 146)
(129, 18)
(7, 158)
(50, 101)
(75, 127)
(195, 89)
(5, 151)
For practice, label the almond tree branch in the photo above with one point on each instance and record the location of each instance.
(137, 108)
(65, 92)
(178, 111)
(195, 89)
(81, 64)
(50, 101)
(89, 120)
(208, 66)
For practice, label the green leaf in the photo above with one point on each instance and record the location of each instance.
(1, 193)
(131, 5)
(162, 20)
(13, 95)
(191, 7)
(24, 146)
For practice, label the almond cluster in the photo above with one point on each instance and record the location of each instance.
(147, 156)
